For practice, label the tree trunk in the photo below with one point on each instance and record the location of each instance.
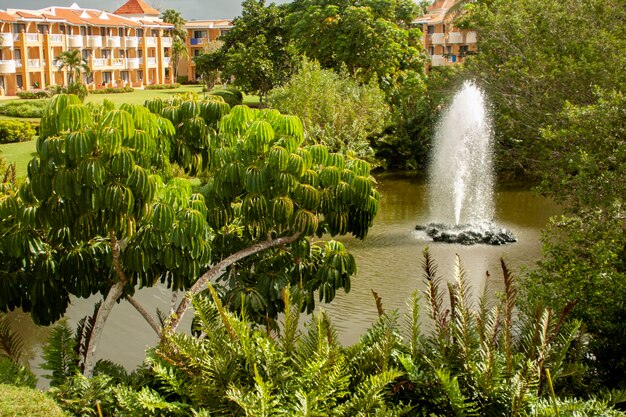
(217, 269)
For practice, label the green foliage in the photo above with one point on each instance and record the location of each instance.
(535, 55)
(16, 131)
(209, 63)
(230, 95)
(172, 86)
(34, 94)
(336, 111)
(26, 402)
(59, 355)
(31, 108)
(81, 396)
(72, 61)
(16, 374)
(256, 51)
(113, 90)
(332, 32)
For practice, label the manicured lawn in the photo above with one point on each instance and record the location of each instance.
(20, 152)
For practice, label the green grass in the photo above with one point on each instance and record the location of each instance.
(27, 402)
(19, 153)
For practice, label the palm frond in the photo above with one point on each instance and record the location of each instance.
(59, 354)
(11, 343)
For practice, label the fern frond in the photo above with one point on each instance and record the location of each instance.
(59, 354)
(11, 343)
(84, 329)
(368, 396)
(290, 334)
(434, 297)
(510, 301)
(412, 324)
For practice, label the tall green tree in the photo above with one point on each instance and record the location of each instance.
(209, 63)
(256, 50)
(374, 39)
(102, 214)
(179, 38)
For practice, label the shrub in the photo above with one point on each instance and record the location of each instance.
(26, 402)
(18, 108)
(34, 94)
(336, 110)
(162, 86)
(231, 96)
(113, 90)
(16, 131)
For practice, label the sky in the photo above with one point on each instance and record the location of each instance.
(190, 9)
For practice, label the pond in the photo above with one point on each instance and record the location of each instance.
(389, 262)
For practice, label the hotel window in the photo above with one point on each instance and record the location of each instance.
(140, 53)
(432, 50)
(19, 27)
(155, 33)
(62, 29)
(199, 34)
(121, 32)
(140, 33)
(17, 54)
(140, 75)
(43, 29)
(106, 53)
(86, 54)
(448, 49)
(431, 29)
(463, 49)
(2, 82)
(19, 81)
(124, 76)
(83, 30)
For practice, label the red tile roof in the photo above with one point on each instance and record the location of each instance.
(137, 7)
(5, 17)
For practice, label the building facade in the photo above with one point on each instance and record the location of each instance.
(199, 34)
(129, 47)
(444, 43)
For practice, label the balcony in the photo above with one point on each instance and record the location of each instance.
(55, 39)
(98, 62)
(116, 63)
(198, 41)
(166, 42)
(470, 37)
(75, 41)
(94, 41)
(6, 39)
(131, 42)
(437, 38)
(7, 66)
(132, 63)
(18, 63)
(166, 61)
(151, 62)
(113, 41)
(437, 60)
(455, 37)
(34, 64)
(151, 41)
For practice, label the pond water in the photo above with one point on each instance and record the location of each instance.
(389, 262)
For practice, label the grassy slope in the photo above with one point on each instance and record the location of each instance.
(20, 153)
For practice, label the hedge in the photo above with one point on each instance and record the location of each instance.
(113, 90)
(27, 402)
(162, 86)
(16, 131)
(26, 108)
(34, 94)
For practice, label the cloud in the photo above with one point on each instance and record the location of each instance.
(190, 9)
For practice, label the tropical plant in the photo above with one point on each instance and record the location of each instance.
(12, 370)
(73, 62)
(336, 110)
(175, 18)
(209, 63)
(179, 52)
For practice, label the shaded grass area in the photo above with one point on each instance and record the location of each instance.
(19, 153)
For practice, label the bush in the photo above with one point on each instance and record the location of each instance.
(18, 108)
(113, 90)
(232, 96)
(336, 110)
(34, 94)
(162, 86)
(16, 131)
(26, 402)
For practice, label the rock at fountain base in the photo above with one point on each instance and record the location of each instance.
(484, 233)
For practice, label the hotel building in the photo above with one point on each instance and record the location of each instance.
(199, 34)
(444, 43)
(129, 47)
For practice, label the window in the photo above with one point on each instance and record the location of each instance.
(155, 33)
(199, 34)
(432, 50)
(121, 32)
(89, 30)
(105, 53)
(140, 53)
(140, 33)
(17, 54)
(62, 29)
(83, 30)
(19, 81)
(463, 49)
(2, 82)
(196, 52)
(448, 49)
(107, 77)
(124, 76)
(43, 29)
(140, 75)
(431, 29)
(19, 27)
(87, 54)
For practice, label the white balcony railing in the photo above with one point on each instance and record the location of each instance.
(6, 39)
(75, 41)
(166, 42)
(455, 37)
(437, 60)
(131, 42)
(166, 61)
(98, 62)
(34, 63)
(18, 63)
(94, 41)
(132, 63)
(151, 41)
(7, 66)
(113, 41)
(437, 38)
(470, 37)
(116, 62)
(152, 61)
(32, 37)
(56, 38)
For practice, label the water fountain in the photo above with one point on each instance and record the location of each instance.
(461, 179)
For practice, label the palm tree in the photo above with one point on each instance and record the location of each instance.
(73, 62)
(179, 36)
(179, 51)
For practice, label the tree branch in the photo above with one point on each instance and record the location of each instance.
(217, 269)
(151, 321)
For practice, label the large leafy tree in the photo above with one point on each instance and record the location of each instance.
(256, 50)
(374, 39)
(101, 212)
(535, 55)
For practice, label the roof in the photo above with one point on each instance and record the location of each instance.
(137, 7)
(220, 23)
(5, 17)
